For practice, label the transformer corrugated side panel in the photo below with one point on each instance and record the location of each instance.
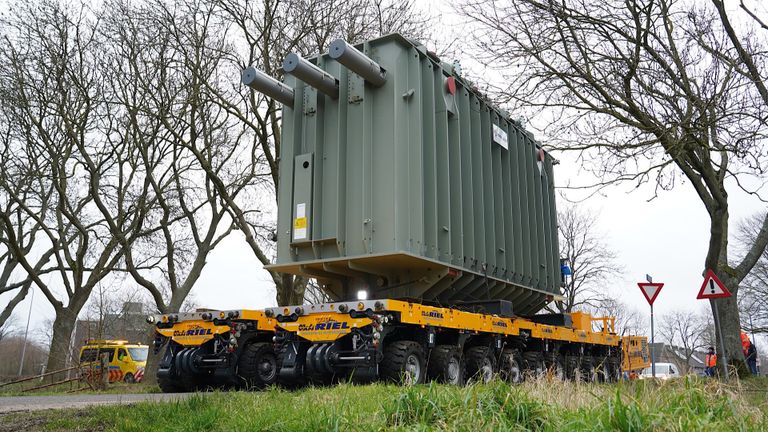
(456, 195)
(381, 197)
(476, 158)
(443, 186)
(416, 157)
(467, 203)
(506, 186)
(408, 182)
(429, 157)
(500, 247)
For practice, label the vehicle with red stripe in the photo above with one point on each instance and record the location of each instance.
(126, 360)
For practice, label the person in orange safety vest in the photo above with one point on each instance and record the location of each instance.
(745, 342)
(710, 362)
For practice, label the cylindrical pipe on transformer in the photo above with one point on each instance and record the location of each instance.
(357, 62)
(267, 85)
(311, 74)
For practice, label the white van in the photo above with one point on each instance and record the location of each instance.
(664, 371)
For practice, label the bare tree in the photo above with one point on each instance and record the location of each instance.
(160, 57)
(685, 333)
(591, 261)
(314, 294)
(753, 300)
(646, 92)
(21, 189)
(7, 329)
(628, 319)
(52, 93)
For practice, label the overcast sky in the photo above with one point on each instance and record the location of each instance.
(666, 238)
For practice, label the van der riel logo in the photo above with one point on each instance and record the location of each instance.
(322, 326)
(432, 314)
(193, 331)
(499, 324)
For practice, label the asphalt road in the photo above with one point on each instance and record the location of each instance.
(33, 403)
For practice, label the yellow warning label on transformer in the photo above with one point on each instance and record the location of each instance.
(299, 223)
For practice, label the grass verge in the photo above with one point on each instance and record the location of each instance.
(680, 405)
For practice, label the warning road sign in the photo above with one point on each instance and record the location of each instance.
(650, 290)
(712, 287)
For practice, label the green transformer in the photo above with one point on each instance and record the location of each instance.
(398, 179)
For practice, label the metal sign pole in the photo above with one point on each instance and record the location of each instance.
(653, 357)
(724, 360)
(26, 330)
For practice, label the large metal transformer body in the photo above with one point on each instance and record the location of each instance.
(408, 182)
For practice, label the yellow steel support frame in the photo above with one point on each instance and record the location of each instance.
(341, 323)
(192, 329)
(325, 323)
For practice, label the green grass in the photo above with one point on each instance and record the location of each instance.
(681, 405)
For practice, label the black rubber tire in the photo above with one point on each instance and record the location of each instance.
(587, 368)
(257, 365)
(614, 369)
(129, 379)
(556, 368)
(170, 385)
(572, 368)
(446, 365)
(534, 364)
(403, 362)
(481, 364)
(601, 369)
(511, 366)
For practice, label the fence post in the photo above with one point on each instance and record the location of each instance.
(104, 360)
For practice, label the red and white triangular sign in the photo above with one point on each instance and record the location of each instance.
(712, 287)
(650, 290)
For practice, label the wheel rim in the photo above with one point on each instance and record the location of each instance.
(412, 369)
(513, 371)
(453, 371)
(267, 368)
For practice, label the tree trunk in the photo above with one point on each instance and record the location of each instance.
(63, 326)
(153, 359)
(730, 325)
(290, 291)
(728, 310)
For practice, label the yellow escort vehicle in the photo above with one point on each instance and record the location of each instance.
(126, 361)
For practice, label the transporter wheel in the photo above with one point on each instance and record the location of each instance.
(168, 384)
(535, 367)
(588, 371)
(480, 364)
(257, 365)
(129, 379)
(510, 366)
(556, 368)
(600, 369)
(614, 369)
(403, 362)
(446, 365)
(573, 368)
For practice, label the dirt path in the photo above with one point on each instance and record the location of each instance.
(9, 404)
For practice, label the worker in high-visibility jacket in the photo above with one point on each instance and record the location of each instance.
(745, 342)
(710, 362)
